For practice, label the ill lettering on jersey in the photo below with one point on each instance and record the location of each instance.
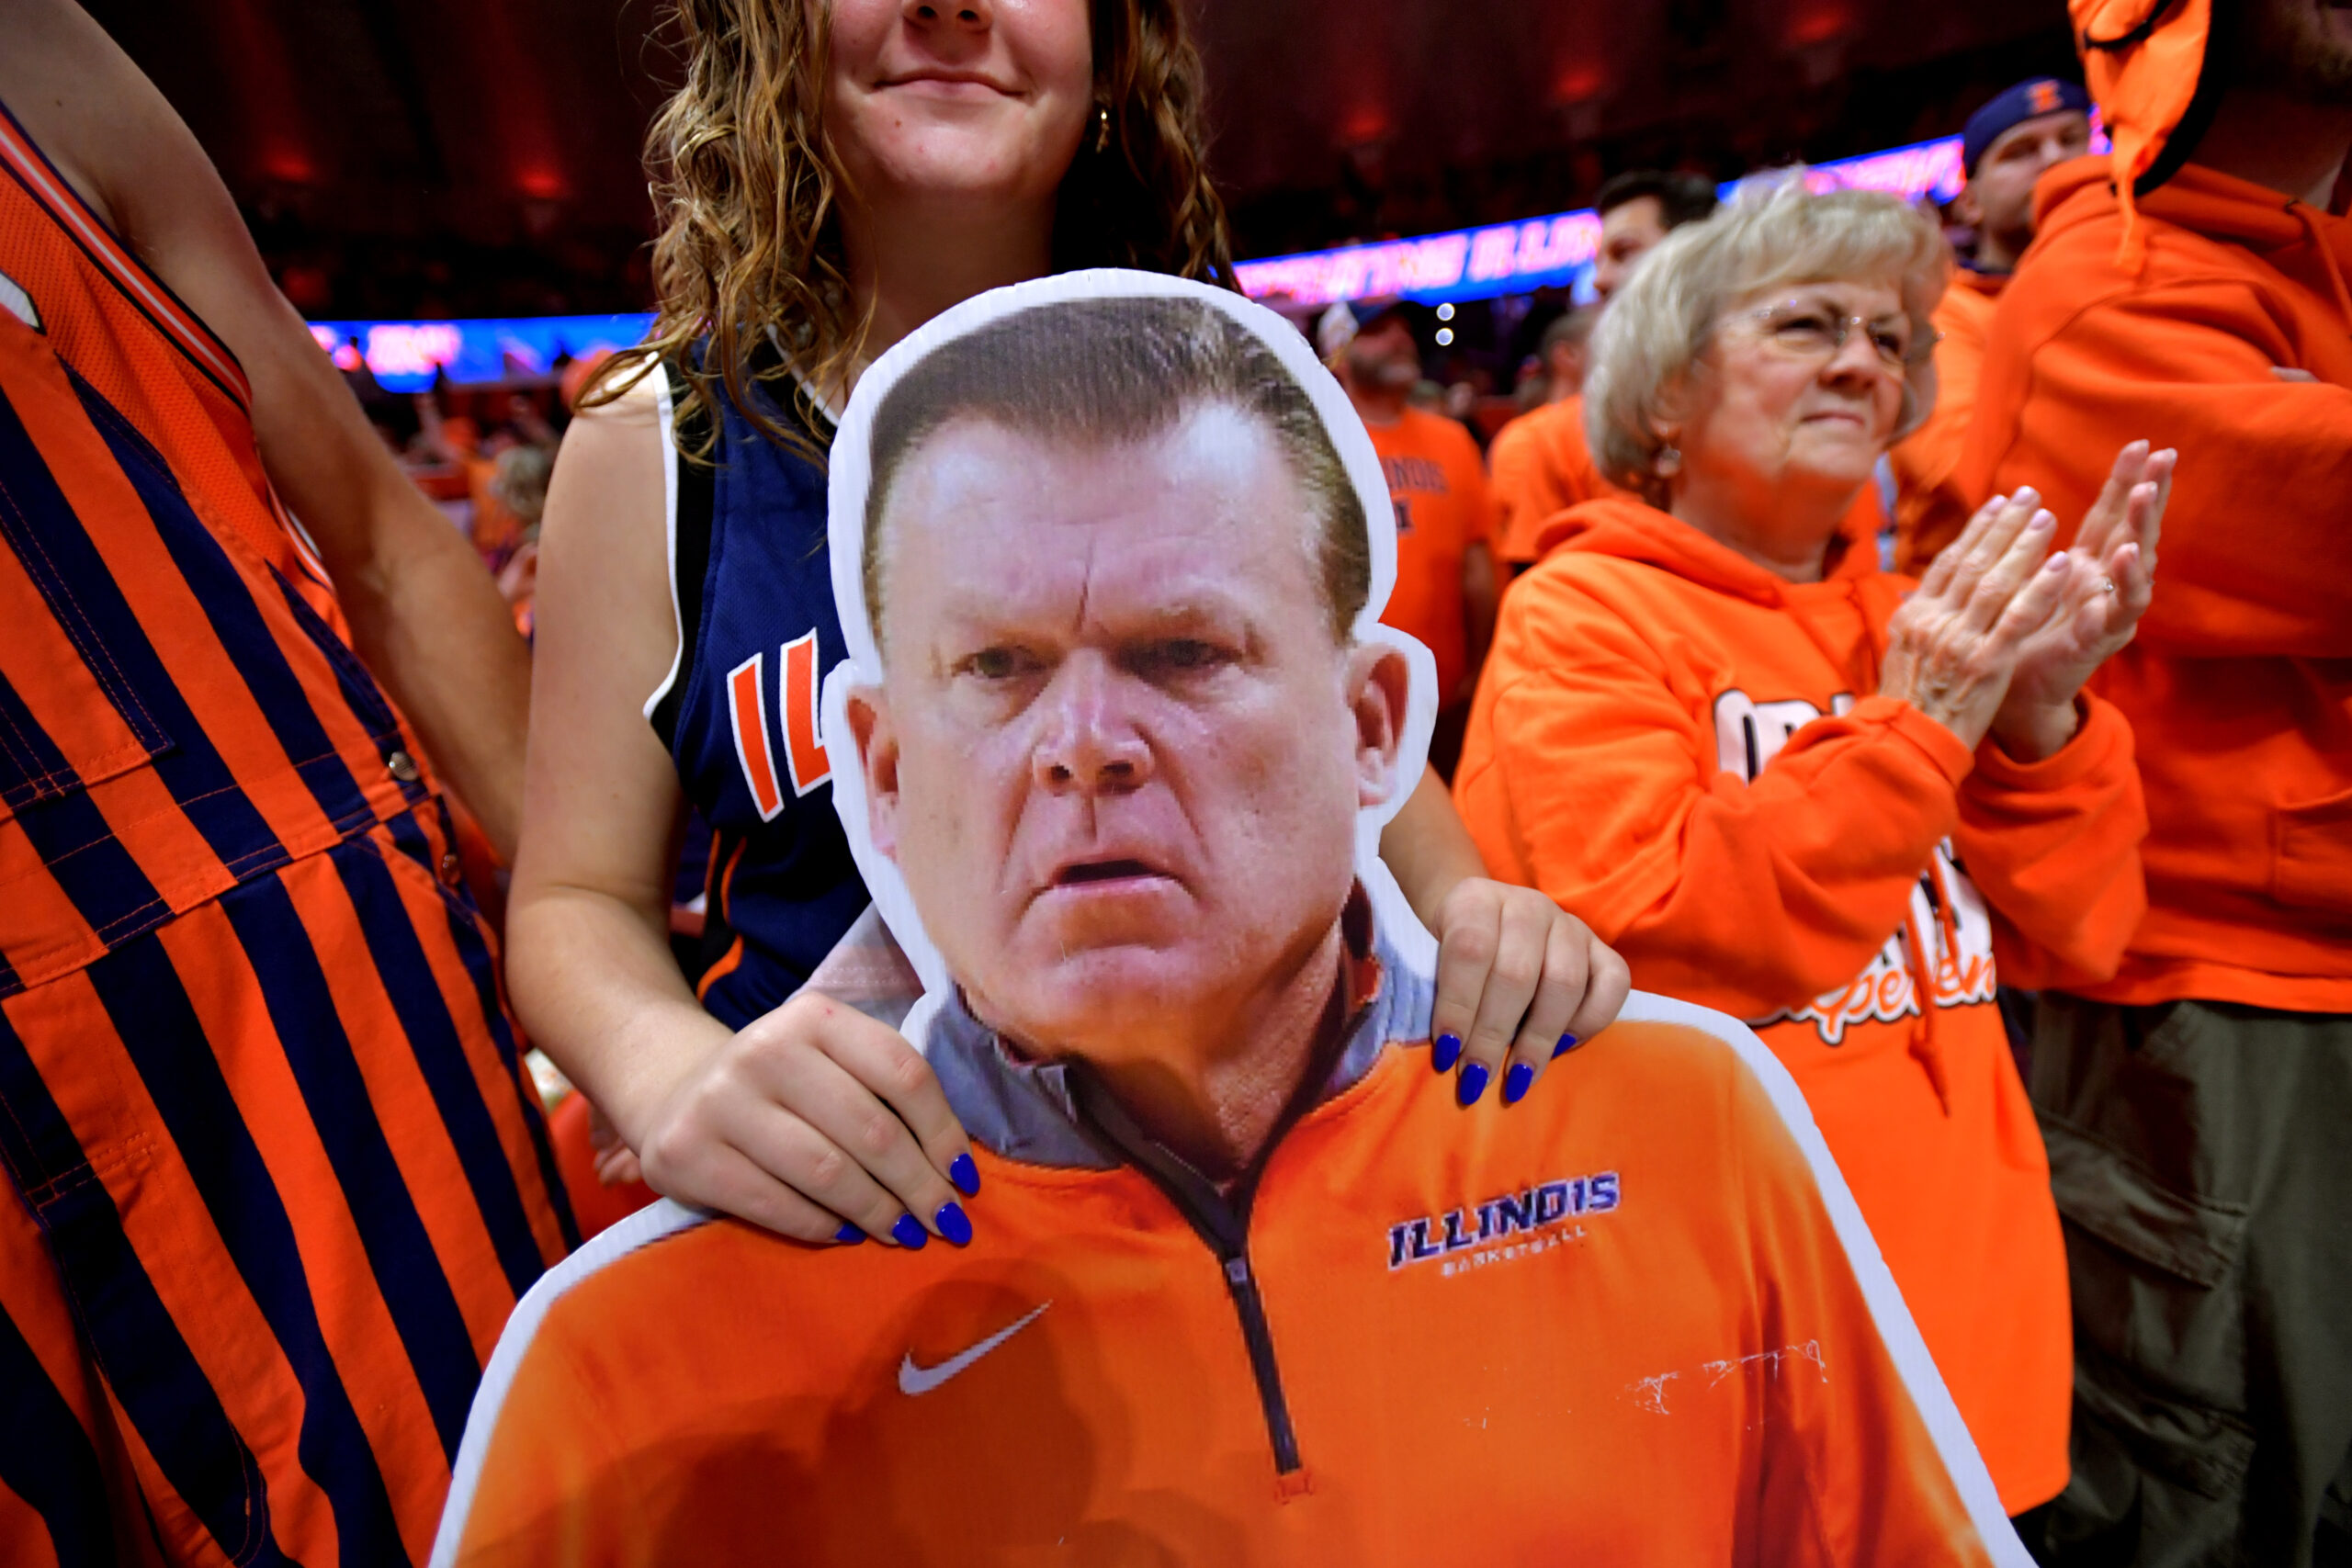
(1946, 913)
(797, 691)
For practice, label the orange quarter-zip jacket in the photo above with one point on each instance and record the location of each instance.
(1632, 1319)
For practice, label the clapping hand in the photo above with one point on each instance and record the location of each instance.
(2109, 581)
(1953, 648)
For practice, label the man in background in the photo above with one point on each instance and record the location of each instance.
(1561, 352)
(1553, 374)
(1546, 467)
(2004, 147)
(2192, 290)
(1445, 567)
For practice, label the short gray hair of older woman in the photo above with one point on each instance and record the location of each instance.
(1652, 337)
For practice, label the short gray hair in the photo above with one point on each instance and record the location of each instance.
(1773, 231)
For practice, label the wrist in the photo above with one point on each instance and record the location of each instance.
(2034, 733)
(669, 1048)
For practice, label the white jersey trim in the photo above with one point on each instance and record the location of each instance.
(669, 537)
(1921, 1380)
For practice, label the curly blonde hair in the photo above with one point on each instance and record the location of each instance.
(748, 182)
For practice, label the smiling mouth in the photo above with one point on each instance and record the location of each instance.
(946, 79)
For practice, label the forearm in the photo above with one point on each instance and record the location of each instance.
(426, 614)
(1479, 594)
(596, 988)
(427, 620)
(1427, 850)
(2054, 847)
(2033, 732)
(2253, 563)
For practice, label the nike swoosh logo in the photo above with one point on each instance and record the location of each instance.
(914, 1380)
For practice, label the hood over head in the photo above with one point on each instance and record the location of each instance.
(2151, 65)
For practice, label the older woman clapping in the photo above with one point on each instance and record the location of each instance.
(1712, 728)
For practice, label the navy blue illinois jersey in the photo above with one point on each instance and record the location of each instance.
(752, 582)
(276, 1181)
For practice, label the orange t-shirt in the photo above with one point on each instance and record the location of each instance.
(1684, 750)
(1541, 465)
(1439, 489)
(2239, 683)
(1634, 1320)
(1931, 507)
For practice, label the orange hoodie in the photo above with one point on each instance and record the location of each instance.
(1682, 749)
(2239, 685)
(1541, 465)
(1931, 508)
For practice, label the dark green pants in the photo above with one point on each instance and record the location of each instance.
(2201, 1156)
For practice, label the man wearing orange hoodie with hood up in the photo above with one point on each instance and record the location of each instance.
(2193, 290)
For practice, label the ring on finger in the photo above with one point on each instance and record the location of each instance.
(2106, 583)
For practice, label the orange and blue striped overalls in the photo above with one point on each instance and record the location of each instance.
(275, 1176)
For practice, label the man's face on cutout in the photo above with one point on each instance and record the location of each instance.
(1118, 753)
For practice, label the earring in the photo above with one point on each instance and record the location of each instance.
(1668, 463)
(1101, 127)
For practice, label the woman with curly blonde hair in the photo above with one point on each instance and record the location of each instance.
(833, 176)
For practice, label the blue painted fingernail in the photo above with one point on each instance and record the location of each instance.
(1515, 1082)
(965, 1175)
(849, 1235)
(909, 1234)
(1446, 1051)
(1567, 1043)
(953, 1225)
(1473, 1084)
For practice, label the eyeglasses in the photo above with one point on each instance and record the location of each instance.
(1815, 332)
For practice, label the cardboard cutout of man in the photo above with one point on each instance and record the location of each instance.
(1246, 1289)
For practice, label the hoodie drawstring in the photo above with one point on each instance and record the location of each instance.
(1925, 1047)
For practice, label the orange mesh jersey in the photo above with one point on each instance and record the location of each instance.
(276, 1181)
(1630, 1320)
(1439, 489)
(1687, 752)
